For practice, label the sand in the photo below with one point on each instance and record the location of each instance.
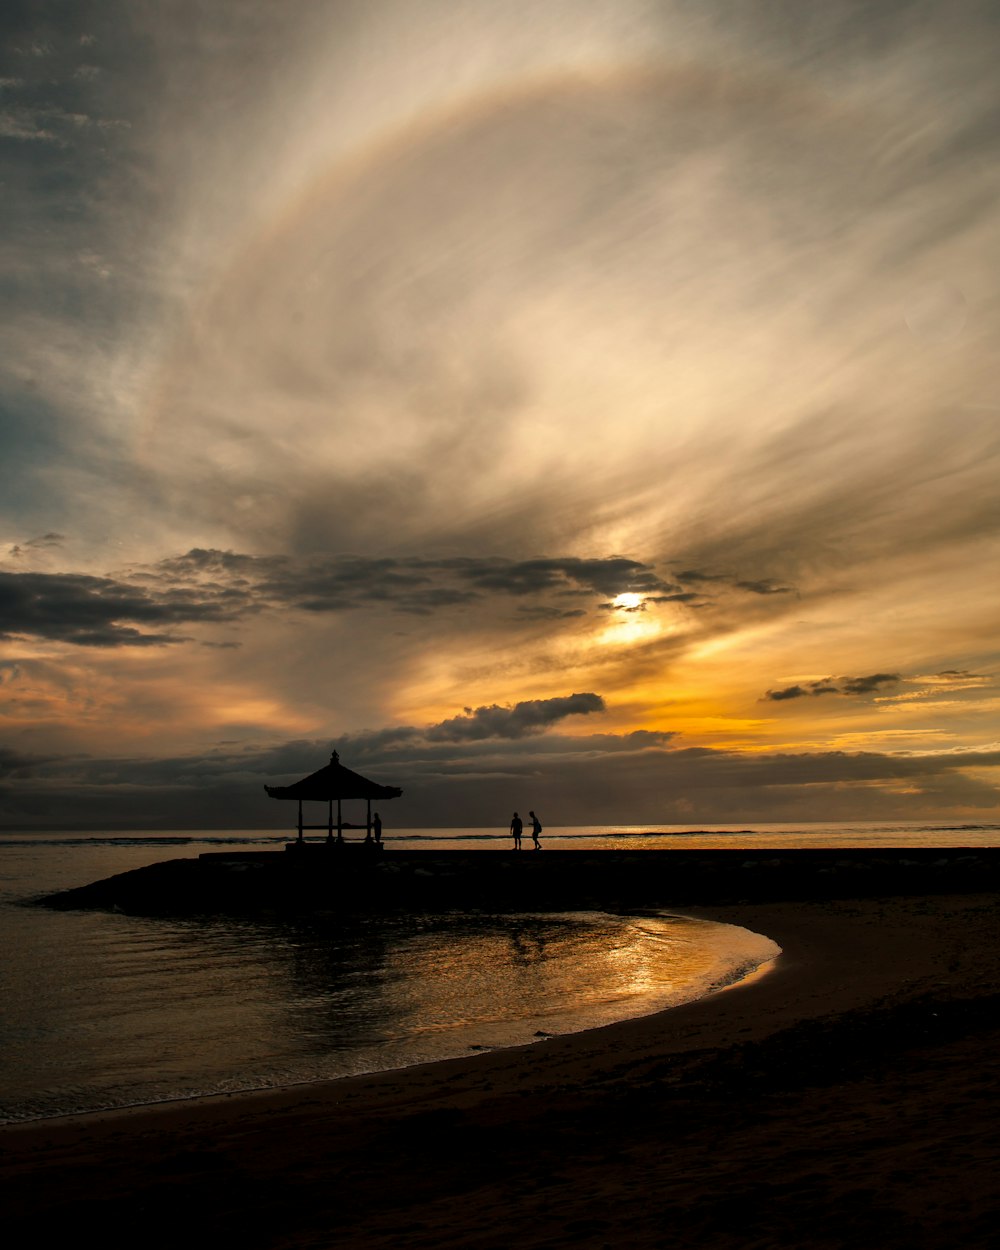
(845, 1098)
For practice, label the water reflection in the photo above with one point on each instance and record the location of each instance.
(107, 1010)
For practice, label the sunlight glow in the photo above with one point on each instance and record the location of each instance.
(473, 312)
(630, 630)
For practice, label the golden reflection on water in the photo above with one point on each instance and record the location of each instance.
(112, 1010)
(564, 973)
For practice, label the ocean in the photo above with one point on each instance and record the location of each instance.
(101, 1010)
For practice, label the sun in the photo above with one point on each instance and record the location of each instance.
(628, 600)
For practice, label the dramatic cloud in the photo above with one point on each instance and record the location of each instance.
(89, 611)
(475, 353)
(577, 781)
(220, 586)
(610, 576)
(529, 717)
(413, 584)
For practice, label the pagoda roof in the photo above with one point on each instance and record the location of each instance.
(334, 781)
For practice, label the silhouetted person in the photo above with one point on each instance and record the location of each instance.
(536, 829)
(516, 827)
(377, 827)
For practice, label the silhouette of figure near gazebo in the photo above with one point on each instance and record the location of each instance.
(329, 784)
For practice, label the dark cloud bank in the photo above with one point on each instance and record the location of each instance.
(473, 769)
(91, 611)
(146, 607)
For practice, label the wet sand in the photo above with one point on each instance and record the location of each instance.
(845, 1098)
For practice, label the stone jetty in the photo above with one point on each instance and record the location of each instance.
(352, 877)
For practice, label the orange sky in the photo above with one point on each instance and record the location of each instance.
(589, 397)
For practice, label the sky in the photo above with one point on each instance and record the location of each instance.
(585, 405)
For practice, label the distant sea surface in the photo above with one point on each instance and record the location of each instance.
(102, 1010)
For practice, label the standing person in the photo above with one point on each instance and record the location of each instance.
(536, 829)
(377, 827)
(516, 826)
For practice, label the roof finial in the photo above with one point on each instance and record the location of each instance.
(335, 758)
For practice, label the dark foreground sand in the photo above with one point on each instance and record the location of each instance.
(847, 1098)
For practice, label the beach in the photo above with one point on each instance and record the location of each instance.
(844, 1097)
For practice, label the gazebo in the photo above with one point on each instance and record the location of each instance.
(334, 782)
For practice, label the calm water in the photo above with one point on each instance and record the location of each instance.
(665, 837)
(101, 1010)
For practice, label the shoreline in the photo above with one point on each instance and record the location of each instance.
(875, 1007)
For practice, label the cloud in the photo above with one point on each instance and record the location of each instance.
(540, 612)
(834, 685)
(680, 596)
(90, 611)
(426, 331)
(529, 717)
(956, 678)
(42, 542)
(396, 340)
(602, 778)
(611, 575)
(867, 685)
(28, 127)
(789, 692)
(16, 764)
(409, 584)
(764, 588)
(696, 575)
(757, 586)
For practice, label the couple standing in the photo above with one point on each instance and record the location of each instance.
(517, 827)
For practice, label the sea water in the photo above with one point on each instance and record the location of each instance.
(101, 1010)
(787, 836)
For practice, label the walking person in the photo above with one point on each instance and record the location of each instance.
(536, 829)
(516, 827)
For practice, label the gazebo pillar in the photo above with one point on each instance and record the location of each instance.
(368, 823)
(329, 821)
(300, 820)
(340, 824)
